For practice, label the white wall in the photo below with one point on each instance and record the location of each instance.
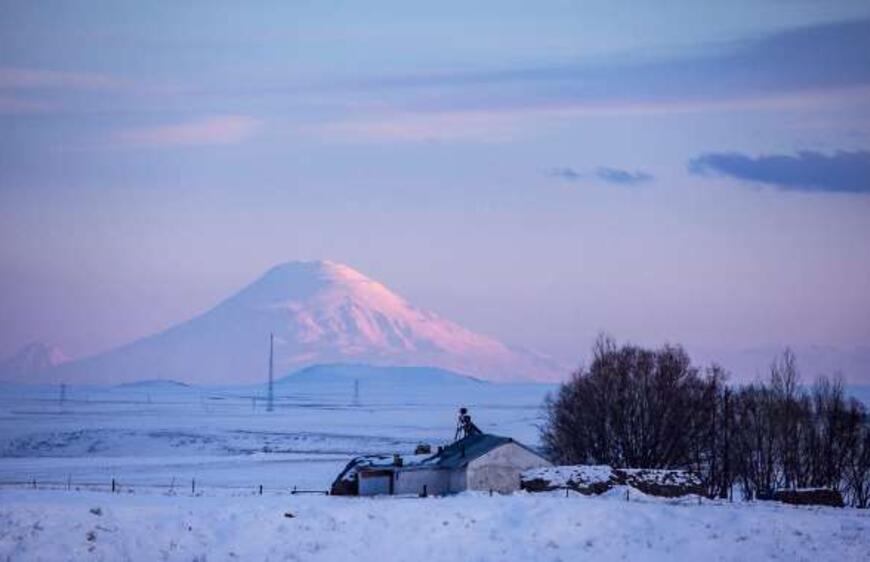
(437, 482)
(499, 470)
(457, 481)
(373, 485)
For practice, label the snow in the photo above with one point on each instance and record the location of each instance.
(320, 313)
(60, 525)
(560, 476)
(156, 444)
(660, 476)
(141, 435)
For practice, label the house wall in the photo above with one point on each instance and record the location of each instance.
(499, 470)
(375, 483)
(437, 482)
(457, 480)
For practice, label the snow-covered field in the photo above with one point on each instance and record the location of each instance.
(59, 525)
(224, 437)
(155, 439)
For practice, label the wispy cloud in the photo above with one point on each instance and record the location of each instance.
(498, 124)
(569, 174)
(826, 65)
(216, 130)
(807, 59)
(841, 171)
(31, 79)
(12, 105)
(467, 126)
(622, 177)
(615, 176)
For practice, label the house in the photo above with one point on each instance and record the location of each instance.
(478, 461)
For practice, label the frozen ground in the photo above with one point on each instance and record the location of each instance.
(59, 525)
(155, 439)
(224, 437)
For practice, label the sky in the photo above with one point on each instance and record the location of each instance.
(668, 171)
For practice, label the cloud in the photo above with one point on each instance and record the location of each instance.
(565, 173)
(30, 79)
(10, 105)
(826, 65)
(798, 66)
(614, 176)
(462, 126)
(622, 177)
(842, 171)
(218, 130)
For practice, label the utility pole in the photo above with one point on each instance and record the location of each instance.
(271, 399)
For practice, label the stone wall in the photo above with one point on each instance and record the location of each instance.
(597, 479)
(814, 496)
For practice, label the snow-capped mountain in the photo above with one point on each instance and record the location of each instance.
(320, 312)
(30, 360)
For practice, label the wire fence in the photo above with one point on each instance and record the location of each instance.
(179, 487)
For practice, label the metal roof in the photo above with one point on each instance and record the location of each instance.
(467, 449)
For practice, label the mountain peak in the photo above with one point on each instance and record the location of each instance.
(319, 312)
(298, 282)
(325, 270)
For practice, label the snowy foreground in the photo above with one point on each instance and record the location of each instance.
(61, 525)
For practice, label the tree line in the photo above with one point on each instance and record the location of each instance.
(651, 408)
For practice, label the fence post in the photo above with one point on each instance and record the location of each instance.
(261, 489)
(193, 486)
(113, 485)
(566, 491)
(626, 494)
(34, 483)
(68, 482)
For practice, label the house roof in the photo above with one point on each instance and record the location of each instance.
(467, 449)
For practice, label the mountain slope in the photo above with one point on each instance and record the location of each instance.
(320, 312)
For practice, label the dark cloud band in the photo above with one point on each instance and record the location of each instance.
(813, 59)
(847, 172)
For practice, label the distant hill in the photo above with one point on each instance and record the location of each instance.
(347, 374)
(321, 313)
(155, 384)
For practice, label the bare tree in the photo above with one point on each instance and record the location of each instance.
(652, 409)
(632, 407)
